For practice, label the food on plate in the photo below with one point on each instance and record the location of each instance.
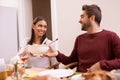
(98, 75)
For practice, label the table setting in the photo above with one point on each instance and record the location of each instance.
(56, 74)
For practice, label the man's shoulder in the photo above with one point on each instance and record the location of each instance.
(108, 32)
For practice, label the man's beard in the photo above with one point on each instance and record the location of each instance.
(86, 25)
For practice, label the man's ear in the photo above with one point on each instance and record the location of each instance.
(92, 18)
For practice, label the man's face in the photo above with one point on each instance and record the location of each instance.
(85, 21)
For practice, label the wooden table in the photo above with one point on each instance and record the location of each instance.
(30, 71)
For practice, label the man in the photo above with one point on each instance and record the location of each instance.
(94, 50)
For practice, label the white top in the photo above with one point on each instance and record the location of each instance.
(42, 62)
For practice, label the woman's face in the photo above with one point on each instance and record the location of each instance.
(40, 28)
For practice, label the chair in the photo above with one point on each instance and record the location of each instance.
(70, 65)
(53, 66)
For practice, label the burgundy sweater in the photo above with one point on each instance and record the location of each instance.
(103, 47)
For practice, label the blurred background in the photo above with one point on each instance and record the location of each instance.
(62, 16)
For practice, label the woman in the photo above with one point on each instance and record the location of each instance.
(39, 29)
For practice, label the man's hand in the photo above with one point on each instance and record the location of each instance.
(51, 52)
(95, 67)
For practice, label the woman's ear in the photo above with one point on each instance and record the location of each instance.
(33, 26)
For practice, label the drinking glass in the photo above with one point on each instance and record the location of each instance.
(24, 59)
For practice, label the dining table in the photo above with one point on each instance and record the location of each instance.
(30, 71)
(52, 74)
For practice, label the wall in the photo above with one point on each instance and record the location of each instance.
(24, 13)
(43, 8)
(19, 14)
(8, 32)
(68, 14)
(24, 18)
(9, 3)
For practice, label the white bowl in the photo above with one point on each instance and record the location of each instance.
(116, 73)
(36, 50)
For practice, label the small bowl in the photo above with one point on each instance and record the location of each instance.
(9, 73)
(116, 73)
(10, 69)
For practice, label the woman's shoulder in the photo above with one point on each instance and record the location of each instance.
(25, 40)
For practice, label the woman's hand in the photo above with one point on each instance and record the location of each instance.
(26, 52)
(23, 53)
(51, 52)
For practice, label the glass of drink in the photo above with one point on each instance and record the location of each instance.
(3, 75)
(24, 59)
(3, 70)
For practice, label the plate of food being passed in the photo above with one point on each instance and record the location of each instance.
(36, 49)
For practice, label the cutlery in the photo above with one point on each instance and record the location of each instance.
(53, 41)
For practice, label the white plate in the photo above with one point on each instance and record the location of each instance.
(58, 73)
(77, 77)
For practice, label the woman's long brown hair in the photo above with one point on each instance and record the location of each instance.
(39, 18)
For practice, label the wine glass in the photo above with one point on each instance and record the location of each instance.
(24, 59)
